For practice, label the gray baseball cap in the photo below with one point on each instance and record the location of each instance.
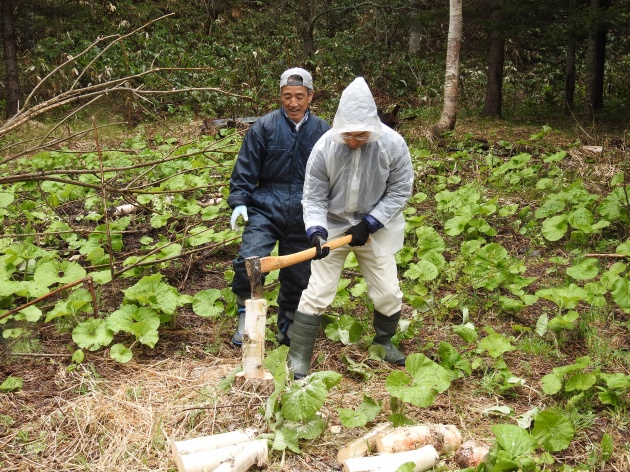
(307, 80)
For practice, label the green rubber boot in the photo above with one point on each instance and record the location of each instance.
(385, 327)
(303, 333)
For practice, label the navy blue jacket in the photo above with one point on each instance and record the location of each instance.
(269, 171)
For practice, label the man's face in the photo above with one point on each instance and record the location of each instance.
(355, 139)
(295, 100)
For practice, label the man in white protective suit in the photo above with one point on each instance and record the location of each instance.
(359, 177)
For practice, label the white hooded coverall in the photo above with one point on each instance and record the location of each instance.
(342, 186)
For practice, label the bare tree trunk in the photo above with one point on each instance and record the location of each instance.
(496, 58)
(594, 96)
(569, 77)
(451, 78)
(600, 60)
(309, 41)
(414, 26)
(10, 60)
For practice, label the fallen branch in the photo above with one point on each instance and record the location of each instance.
(618, 256)
(88, 280)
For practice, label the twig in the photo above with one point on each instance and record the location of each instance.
(618, 256)
(104, 195)
(43, 297)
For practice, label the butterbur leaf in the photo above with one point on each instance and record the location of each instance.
(580, 381)
(496, 344)
(6, 199)
(581, 219)
(304, 400)
(621, 293)
(120, 353)
(206, 303)
(150, 291)
(542, 324)
(514, 440)
(551, 384)
(616, 381)
(429, 240)
(92, 334)
(585, 270)
(466, 332)
(11, 384)
(285, 438)
(406, 467)
(607, 446)
(330, 378)
(428, 379)
(555, 228)
(422, 270)
(365, 413)
(553, 430)
(344, 329)
(58, 272)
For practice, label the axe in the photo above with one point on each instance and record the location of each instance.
(256, 306)
(256, 266)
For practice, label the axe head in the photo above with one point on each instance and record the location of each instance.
(252, 265)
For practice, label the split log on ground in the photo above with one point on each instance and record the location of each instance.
(254, 338)
(256, 454)
(361, 446)
(204, 461)
(424, 458)
(444, 437)
(471, 454)
(216, 441)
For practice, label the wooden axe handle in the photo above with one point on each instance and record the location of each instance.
(269, 263)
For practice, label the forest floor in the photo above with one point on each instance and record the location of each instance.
(105, 416)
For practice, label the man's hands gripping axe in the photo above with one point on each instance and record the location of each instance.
(317, 236)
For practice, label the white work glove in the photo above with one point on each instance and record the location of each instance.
(240, 210)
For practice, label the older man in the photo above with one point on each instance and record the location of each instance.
(266, 192)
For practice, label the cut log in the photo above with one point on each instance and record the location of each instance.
(361, 446)
(445, 438)
(204, 461)
(471, 454)
(216, 441)
(257, 454)
(254, 338)
(424, 458)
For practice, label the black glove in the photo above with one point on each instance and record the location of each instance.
(360, 234)
(317, 241)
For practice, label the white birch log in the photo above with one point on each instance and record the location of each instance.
(424, 458)
(205, 461)
(215, 441)
(254, 338)
(257, 454)
(471, 454)
(360, 447)
(445, 438)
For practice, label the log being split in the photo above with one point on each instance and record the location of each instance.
(445, 438)
(424, 458)
(361, 446)
(255, 454)
(254, 339)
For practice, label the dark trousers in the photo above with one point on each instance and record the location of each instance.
(259, 239)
